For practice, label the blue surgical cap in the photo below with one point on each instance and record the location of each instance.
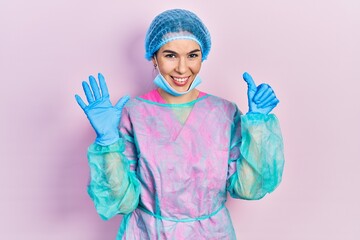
(176, 24)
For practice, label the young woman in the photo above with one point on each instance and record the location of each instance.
(167, 159)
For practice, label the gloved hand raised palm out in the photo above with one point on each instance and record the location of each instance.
(261, 99)
(103, 116)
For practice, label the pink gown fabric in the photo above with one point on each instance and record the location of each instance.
(183, 168)
(179, 162)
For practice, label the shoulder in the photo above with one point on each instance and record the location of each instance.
(222, 106)
(221, 102)
(139, 105)
(133, 103)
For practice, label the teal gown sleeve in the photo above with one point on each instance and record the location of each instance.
(113, 187)
(256, 156)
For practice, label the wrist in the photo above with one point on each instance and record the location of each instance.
(108, 138)
(255, 113)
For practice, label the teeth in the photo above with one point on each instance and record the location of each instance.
(180, 79)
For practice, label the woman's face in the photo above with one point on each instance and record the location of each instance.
(179, 62)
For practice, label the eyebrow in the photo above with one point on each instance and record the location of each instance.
(173, 52)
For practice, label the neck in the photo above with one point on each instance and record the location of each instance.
(190, 96)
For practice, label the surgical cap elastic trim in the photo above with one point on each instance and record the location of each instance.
(162, 43)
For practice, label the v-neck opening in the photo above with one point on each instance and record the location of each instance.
(184, 121)
(181, 113)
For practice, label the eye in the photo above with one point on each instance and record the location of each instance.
(170, 55)
(193, 55)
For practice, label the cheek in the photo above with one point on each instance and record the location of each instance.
(167, 67)
(195, 68)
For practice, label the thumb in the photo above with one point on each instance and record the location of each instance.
(250, 82)
(121, 103)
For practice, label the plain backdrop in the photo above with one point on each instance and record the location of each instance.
(308, 51)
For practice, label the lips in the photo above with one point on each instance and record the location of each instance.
(180, 81)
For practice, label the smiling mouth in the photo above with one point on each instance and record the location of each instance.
(180, 81)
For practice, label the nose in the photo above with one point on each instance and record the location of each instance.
(182, 65)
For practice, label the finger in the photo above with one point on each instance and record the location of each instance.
(264, 101)
(103, 87)
(249, 80)
(264, 91)
(271, 103)
(261, 89)
(80, 102)
(121, 103)
(94, 87)
(88, 93)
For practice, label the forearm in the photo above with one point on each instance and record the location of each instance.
(113, 187)
(260, 164)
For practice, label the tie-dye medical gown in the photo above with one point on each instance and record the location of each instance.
(173, 165)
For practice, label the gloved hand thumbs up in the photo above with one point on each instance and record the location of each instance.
(261, 99)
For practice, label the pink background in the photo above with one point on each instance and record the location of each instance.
(307, 50)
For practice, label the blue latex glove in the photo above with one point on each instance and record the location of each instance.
(261, 99)
(103, 116)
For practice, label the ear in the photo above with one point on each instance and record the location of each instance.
(154, 61)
